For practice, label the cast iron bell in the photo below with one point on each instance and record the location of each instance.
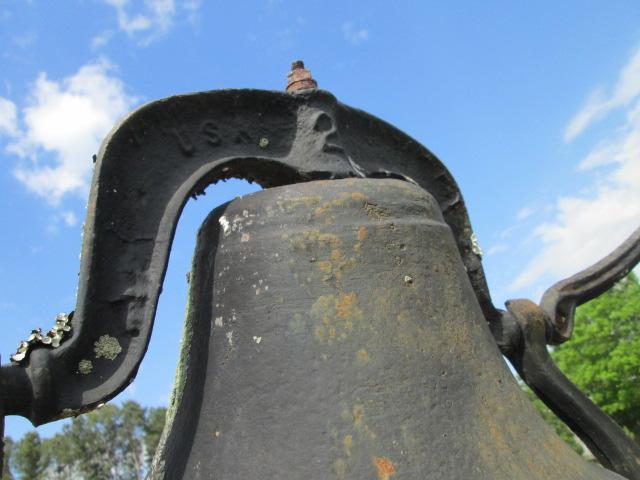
(339, 324)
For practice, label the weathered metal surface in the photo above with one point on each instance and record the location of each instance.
(169, 150)
(333, 334)
(146, 170)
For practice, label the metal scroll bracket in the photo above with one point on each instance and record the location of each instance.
(527, 329)
(148, 167)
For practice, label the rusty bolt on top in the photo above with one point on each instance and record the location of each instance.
(299, 78)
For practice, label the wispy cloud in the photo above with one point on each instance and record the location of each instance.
(69, 218)
(192, 9)
(525, 213)
(63, 123)
(8, 117)
(25, 40)
(353, 34)
(599, 104)
(57, 219)
(589, 225)
(495, 249)
(101, 39)
(149, 20)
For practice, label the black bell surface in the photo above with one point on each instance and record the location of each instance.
(332, 333)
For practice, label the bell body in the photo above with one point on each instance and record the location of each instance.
(332, 333)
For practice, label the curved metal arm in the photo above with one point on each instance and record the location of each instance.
(561, 300)
(608, 442)
(148, 167)
(524, 331)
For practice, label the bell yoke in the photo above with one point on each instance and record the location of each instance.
(339, 321)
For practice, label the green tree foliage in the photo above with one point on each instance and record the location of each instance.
(603, 358)
(153, 427)
(110, 443)
(28, 458)
(8, 451)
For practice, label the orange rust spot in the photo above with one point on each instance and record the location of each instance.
(337, 203)
(358, 413)
(319, 333)
(363, 356)
(336, 254)
(385, 468)
(320, 211)
(289, 204)
(325, 266)
(328, 239)
(347, 442)
(362, 233)
(346, 306)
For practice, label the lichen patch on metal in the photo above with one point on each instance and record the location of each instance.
(53, 338)
(107, 347)
(475, 245)
(85, 367)
(224, 223)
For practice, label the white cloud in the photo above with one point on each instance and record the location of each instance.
(64, 123)
(525, 213)
(64, 217)
(69, 218)
(192, 9)
(495, 249)
(507, 232)
(8, 117)
(149, 20)
(355, 36)
(101, 39)
(25, 40)
(588, 226)
(599, 104)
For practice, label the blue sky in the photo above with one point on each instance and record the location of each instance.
(533, 106)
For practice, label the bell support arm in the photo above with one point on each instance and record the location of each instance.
(561, 300)
(604, 437)
(524, 333)
(147, 168)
